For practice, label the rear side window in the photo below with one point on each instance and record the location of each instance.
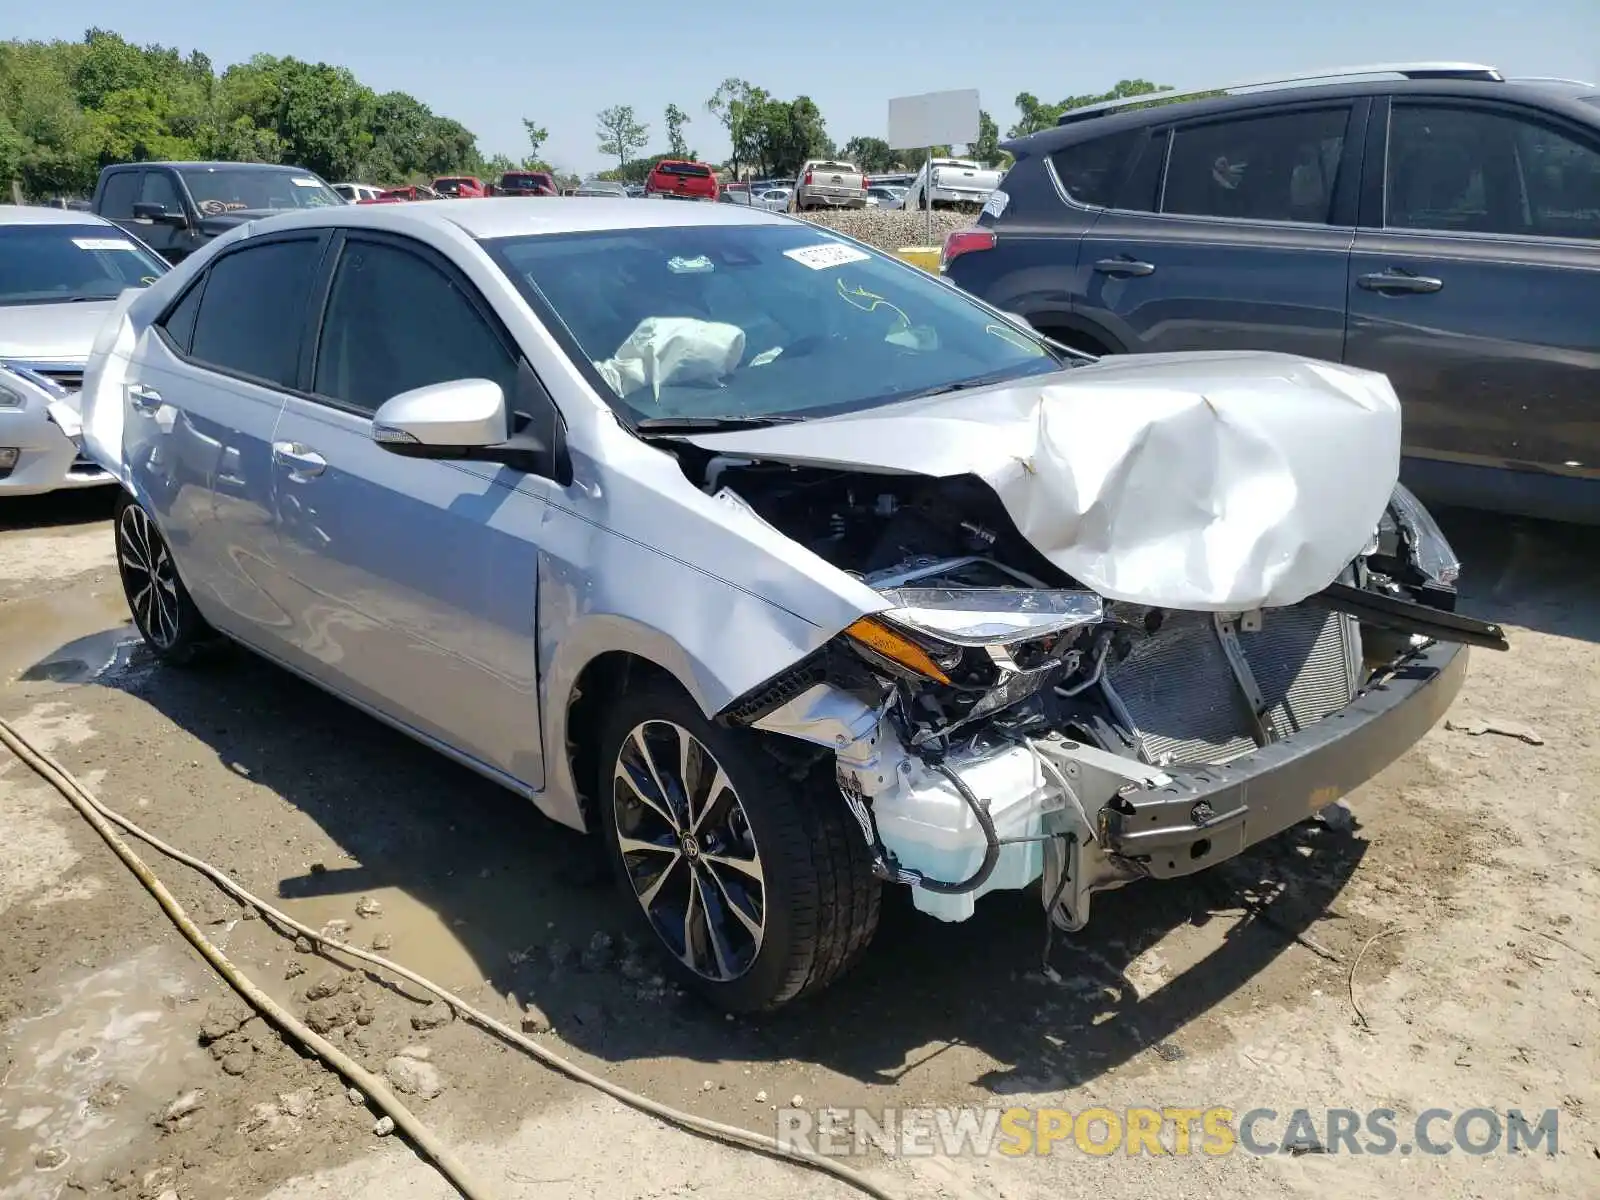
(1281, 167)
(396, 322)
(117, 197)
(253, 309)
(1091, 170)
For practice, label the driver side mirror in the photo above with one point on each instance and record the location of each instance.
(443, 420)
(147, 210)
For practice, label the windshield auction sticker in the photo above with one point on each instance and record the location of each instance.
(828, 254)
(101, 244)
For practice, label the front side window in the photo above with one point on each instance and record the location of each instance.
(1281, 167)
(60, 264)
(395, 322)
(1467, 170)
(253, 309)
(758, 320)
(159, 188)
(235, 189)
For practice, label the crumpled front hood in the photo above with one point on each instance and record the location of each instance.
(51, 332)
(1207, 481)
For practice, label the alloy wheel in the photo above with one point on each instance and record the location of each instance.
(688, 850)
(148, 577)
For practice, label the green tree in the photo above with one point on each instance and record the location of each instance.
(620, 133)
(987, 148)
(872, 154)
(676, 120)
(1035, 116)
(537, 136)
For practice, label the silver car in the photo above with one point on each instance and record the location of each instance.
(60, 274)
(785, 567)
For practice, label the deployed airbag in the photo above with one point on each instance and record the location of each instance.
(1211, 482)
(673, 350)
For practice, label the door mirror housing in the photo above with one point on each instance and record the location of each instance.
(469, 419)
(149, 211)
(443, 420)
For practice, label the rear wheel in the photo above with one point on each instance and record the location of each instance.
(751, 881)
(162, 611)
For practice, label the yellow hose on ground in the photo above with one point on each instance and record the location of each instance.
(103, 819)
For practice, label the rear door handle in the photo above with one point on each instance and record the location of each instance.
(301, 460)
(1399, 281)
(144, 399)
(1124, 267)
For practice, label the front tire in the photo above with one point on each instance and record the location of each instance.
(162, 610)
(752, 881)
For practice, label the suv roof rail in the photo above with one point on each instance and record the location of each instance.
(1413, 70)
(1583, 83)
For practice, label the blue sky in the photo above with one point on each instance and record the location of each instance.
(490, 63)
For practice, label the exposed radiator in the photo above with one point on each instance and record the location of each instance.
(1186, 706)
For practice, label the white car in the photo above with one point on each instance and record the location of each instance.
(60, 274)
(774, 199)
(954, 181)
(355, 193)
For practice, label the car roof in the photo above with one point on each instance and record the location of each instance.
(1563, 95)
(507, 216)
(211, 166)
(19, 214)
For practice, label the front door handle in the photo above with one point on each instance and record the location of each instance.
(144, 399)
(301, 460)
(1124, 267)
(1399, 281)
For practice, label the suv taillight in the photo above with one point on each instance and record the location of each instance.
(964, 241)
(808, 179)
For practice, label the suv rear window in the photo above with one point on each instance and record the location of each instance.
(1091, 170)
(1280, 167)
(693, 169)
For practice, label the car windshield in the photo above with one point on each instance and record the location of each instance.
(59, 264)
(525, 181)
(221, 189)
(750, 321)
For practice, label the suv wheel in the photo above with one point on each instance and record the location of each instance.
(752, 881)
(162, 610)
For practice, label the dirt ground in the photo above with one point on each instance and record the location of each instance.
(127, 1068)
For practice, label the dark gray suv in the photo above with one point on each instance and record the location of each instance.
(1441, 225)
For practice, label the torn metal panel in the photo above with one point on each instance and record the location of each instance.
(1208, 482)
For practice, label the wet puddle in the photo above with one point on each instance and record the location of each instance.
(67, 637)
(87, 1075)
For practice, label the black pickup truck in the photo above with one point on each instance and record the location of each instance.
(177, 207)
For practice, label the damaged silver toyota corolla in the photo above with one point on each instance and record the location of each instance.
(784, 566)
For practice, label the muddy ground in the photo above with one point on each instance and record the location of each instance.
(128, 1068)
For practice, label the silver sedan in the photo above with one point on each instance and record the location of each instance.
(60, 275)
(785, 567)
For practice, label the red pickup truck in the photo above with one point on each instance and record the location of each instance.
(526, 183)
(689, 180)
(461, 187)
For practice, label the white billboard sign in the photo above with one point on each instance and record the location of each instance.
(933, 119)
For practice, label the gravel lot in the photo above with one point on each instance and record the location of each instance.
(892, 229)
(128, 1069)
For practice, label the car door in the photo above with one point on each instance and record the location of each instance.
(1474, 285)
(204, 386)
(412, 582)
(1234, 234)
